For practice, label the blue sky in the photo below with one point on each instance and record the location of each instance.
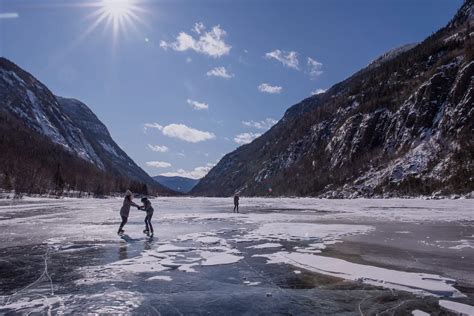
(184, 82)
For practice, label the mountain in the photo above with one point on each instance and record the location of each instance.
(58, 139)
(178, 184)
(402, 126)
(110, 156)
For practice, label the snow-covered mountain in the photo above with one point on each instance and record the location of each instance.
(110, 155)
(401, 126)
(178, 184)
(67, 123)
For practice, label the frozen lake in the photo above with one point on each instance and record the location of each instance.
(278, 256)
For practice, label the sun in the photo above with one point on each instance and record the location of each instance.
(117, 9)
(119, 15)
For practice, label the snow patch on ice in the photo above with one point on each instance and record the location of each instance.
(459, 308)
(160, 278)
(419, 283)
(417, 312)
(266, 245)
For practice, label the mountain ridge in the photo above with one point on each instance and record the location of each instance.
(177, 183)
(401, 128)
(33, 115)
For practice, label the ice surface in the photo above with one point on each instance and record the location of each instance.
(458, 308)
(419, 283)
(203, 237)
(305, 231)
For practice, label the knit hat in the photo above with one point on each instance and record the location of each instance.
(128, 193)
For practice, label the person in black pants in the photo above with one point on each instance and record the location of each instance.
(125, 210)
(236, 203)
(149, 214)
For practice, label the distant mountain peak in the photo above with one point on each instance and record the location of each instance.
(177, 183)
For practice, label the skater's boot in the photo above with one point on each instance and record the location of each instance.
(146, 232)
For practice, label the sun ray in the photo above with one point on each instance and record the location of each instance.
(116, 15)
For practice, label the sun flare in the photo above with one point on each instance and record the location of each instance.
(117, 9)
(119, 15)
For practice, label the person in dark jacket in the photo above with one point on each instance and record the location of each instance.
(125, 210)
(149, 213)
(236, 203)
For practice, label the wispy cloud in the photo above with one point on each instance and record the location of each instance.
(186, 133)
(209, 43)
(265, 87)
(245, 138)
(318, 91)
(289, 59)
(158, 164)
(199, 27)
(158, 148)
(220, 72)
(198, 105)
(315, 67)
(196, 173)
(263, 125)
(9, 15)
(146, 126)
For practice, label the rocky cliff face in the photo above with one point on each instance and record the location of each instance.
(34, 122)
(111, 156)
(401, 126)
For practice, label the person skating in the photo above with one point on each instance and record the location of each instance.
(125, 210)
(236, 203)
(149, 213)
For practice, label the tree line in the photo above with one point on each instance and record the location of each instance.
(31, 164)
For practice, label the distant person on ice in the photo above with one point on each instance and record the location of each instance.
(236, 203)
(125, 210)
(149, 213)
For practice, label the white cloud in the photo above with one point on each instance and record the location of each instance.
(315, 67)
(318, 91)
(220, 72)
(158, 148)
(158, 164)
(199, 27)
(198, 105)
(152, 125)
(186, 133)
(289, 59)
(265, 87)
(264, 125)
(209, 43)
(196, 173)
(9, 15)
(245, 138)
